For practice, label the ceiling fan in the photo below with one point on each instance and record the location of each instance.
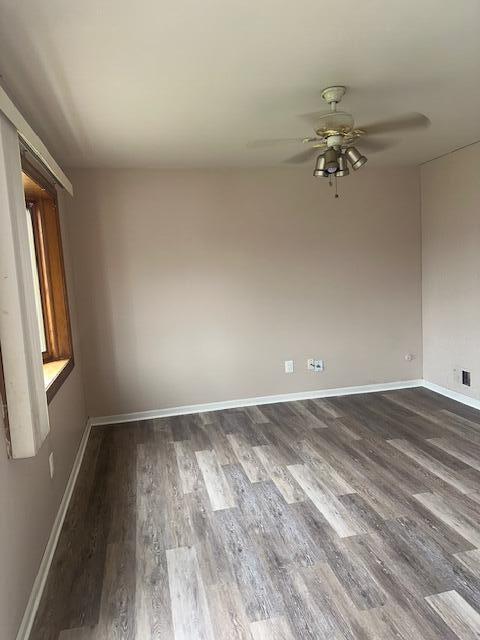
(335, 133)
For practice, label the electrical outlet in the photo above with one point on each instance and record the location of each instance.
(288, 366)
(315, 365)
(51, 465)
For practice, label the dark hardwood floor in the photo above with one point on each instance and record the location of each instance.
(356, 517)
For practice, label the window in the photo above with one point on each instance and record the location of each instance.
(46, 256)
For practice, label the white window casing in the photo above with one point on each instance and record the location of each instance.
(19, 335)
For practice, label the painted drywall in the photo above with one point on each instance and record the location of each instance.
(451, 269)
(195, 286)
(29, 499)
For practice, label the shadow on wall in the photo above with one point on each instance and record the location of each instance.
(95, 303)
(44, 70)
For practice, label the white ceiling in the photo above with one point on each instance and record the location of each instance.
(177, 83)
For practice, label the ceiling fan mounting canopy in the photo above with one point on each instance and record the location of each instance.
(333, 94)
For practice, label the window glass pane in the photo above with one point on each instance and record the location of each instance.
(36, 283)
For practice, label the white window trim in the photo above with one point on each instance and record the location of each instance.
(19, 338)
(32, 141)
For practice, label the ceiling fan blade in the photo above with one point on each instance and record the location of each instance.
(373, 146)
(273, 142)
(402, 123)
(308, 154)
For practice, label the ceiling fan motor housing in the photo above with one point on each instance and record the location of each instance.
(334, 141)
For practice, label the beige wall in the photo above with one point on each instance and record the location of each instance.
(451, 269)
(29, 499)
(195, 286)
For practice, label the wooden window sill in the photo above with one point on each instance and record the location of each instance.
(54, 375)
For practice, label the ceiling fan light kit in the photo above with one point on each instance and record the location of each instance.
(320, 167)
(331, 160)
(335, 134)
(343, 169)
(355, 158)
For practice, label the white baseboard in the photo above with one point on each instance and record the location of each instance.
(39, 584)
(248, 402)
(454, 395)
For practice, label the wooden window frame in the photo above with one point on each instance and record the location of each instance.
(34, 208)
(43, 207)
(4, 409)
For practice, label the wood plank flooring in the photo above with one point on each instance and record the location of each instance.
(356, 517)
